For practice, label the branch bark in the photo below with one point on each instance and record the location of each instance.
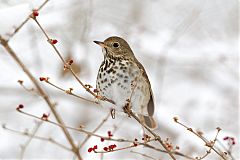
(46, 98)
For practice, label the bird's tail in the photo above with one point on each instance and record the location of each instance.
(148, 120)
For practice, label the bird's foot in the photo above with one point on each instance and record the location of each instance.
(127, 108)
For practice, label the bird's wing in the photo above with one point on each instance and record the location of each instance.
(150, 106)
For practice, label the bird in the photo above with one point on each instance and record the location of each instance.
(123, 79)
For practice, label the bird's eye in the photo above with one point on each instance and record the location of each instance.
(116, 45)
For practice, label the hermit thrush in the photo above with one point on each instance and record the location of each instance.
(122, 79)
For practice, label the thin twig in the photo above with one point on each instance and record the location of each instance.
(95, 130)
(31, 137)
(69, 66)
(25, 21)
(51, 140)
(43, 94)
(157, 137)
(107, 138)
(210, 145)
(144, 155)
(201, 137)
(70, 92)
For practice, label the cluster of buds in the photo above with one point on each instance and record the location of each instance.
(146, 138)
(109, 148)
(168, 144)
(44, 79)
(92, 148)
(110, 134)
(106, 148)
(231, 140)
(135, 143)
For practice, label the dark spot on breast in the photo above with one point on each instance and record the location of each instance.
(110, 70)
(114, 80)
(115, 67)
(126, 77)
(121, 67)
(111, 60)
(119, 75)
(101, 69)
(109, 84)
(119, 84)
(105, 80)
(125, 81)
(106, 65)
(124, 70)
(100, 75)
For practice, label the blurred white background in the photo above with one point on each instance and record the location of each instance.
(189, 49)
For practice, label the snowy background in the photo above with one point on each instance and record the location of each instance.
(189, 49)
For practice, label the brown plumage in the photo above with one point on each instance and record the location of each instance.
(121, 76)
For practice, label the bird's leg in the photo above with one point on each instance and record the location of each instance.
(127, 108)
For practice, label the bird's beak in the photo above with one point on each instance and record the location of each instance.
(100, 43)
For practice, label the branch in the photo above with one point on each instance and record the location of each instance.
(104, 137)
(51, 140)
(46, 98)
(157, 137)
(207, 142)
(25, 21)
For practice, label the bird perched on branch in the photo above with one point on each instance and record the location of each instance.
(122, 79)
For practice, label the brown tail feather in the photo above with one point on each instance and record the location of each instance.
(148, 120)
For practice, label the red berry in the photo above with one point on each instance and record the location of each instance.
(54, 41)
(90, 150)
(95, 90)
(110, 134)
(35, 13)
(102, 139)
(45, 116)
(226, 138)
(105, 148)
(135, 139)
(114, 145)
(95, 147)
(42, 78)
(20, 106)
